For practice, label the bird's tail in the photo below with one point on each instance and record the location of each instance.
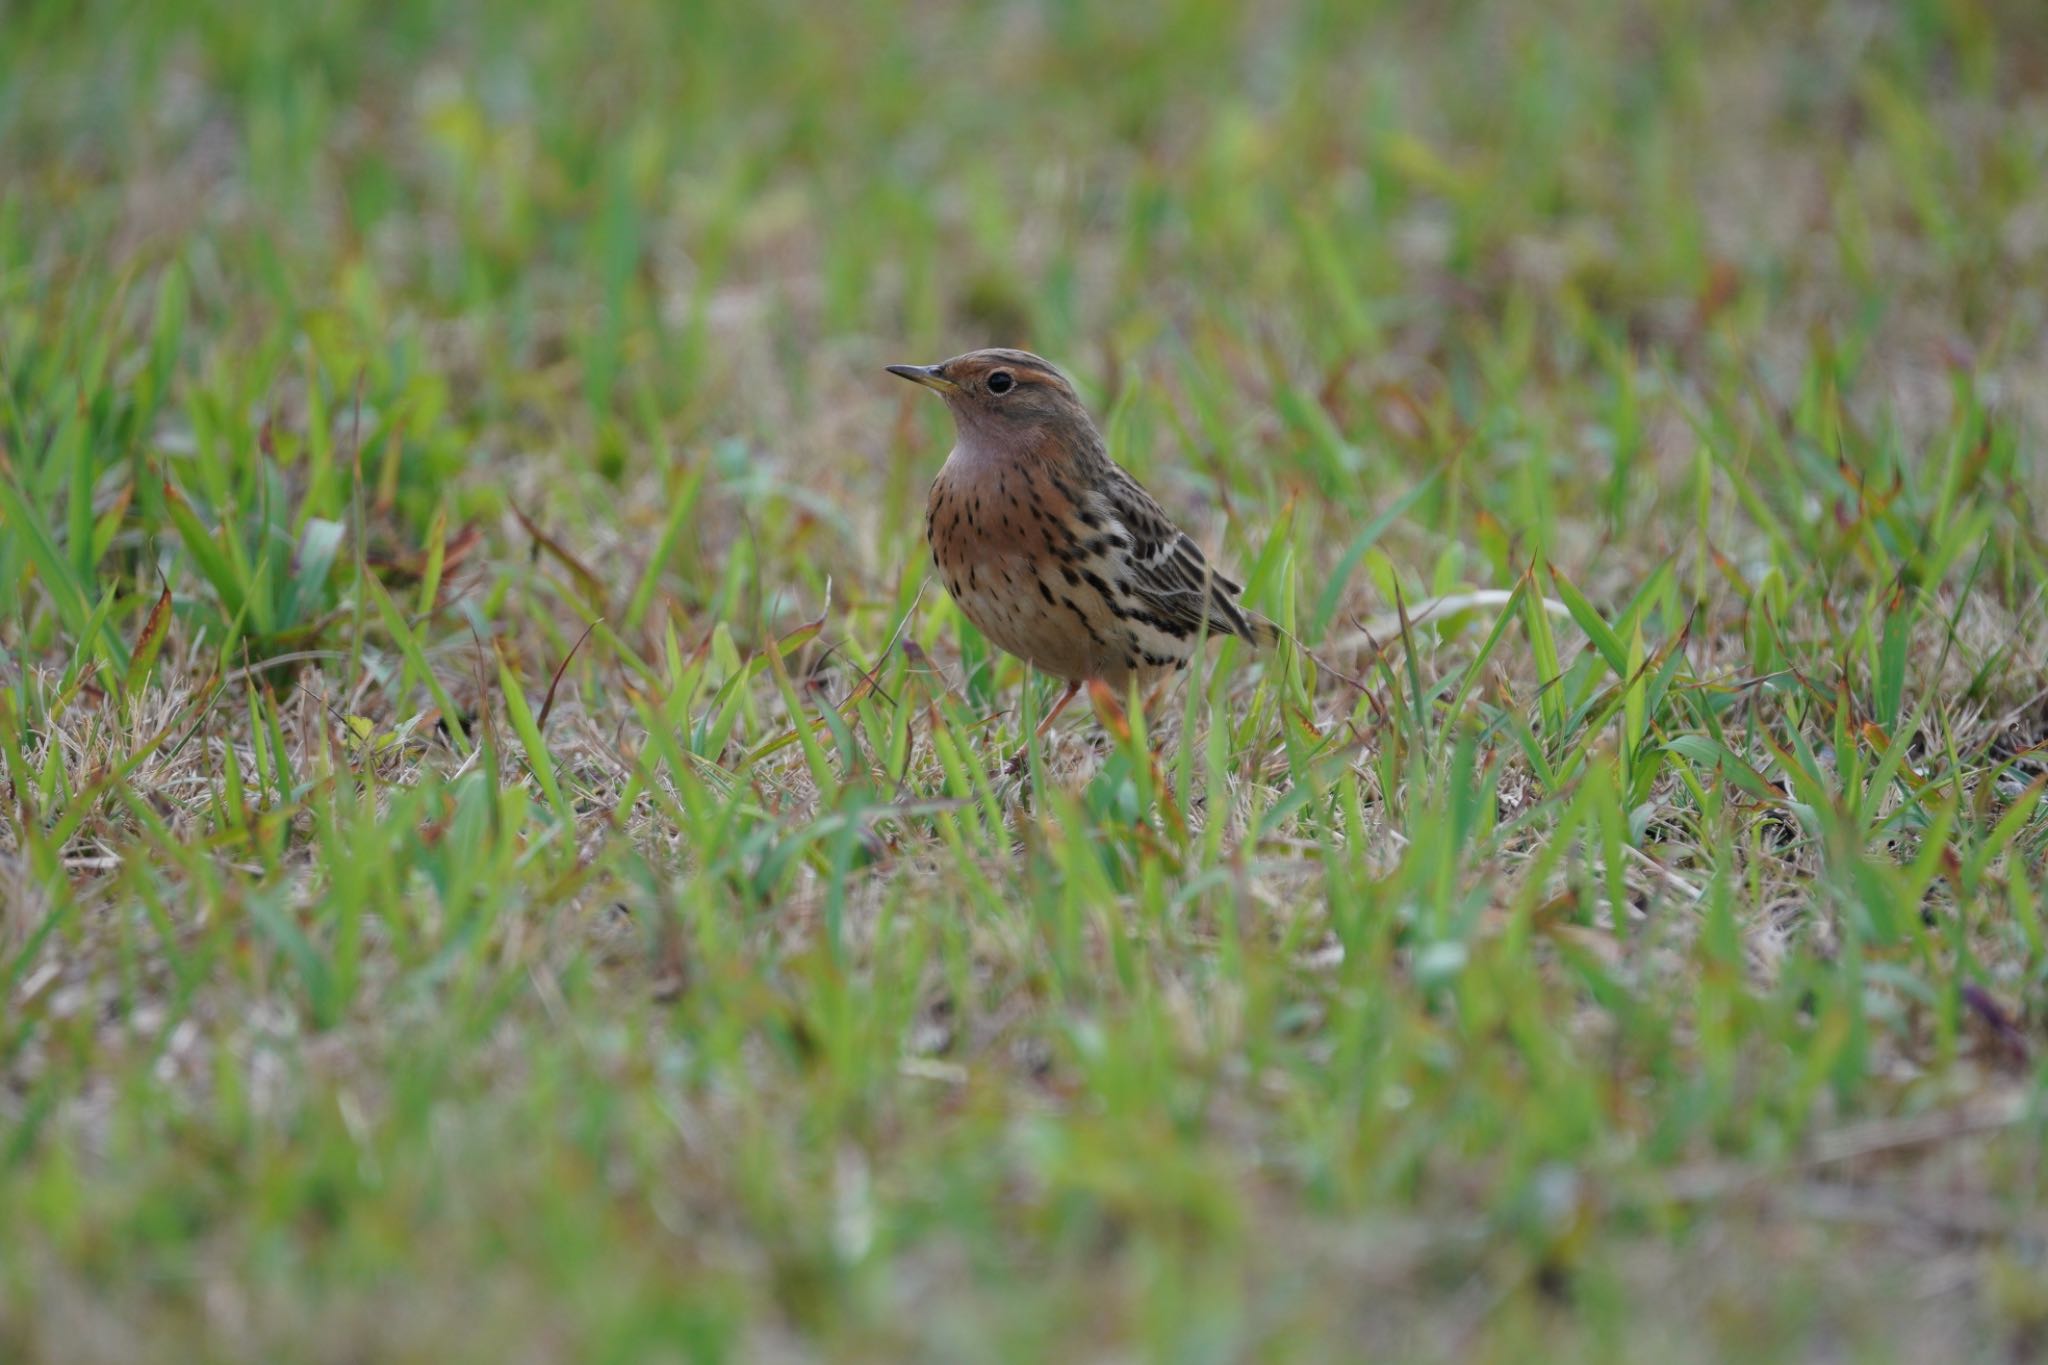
(1261, 632)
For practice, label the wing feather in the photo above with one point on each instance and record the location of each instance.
(1159, 568)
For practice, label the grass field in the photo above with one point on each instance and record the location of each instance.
(506, 857)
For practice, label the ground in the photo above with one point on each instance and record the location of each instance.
(507, 855)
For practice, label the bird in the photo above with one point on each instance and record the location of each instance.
(1051, 548)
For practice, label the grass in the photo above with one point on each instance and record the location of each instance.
(505, 857)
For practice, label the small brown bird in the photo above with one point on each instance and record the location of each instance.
(1051, 549)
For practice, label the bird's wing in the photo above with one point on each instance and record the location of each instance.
(1163, 569)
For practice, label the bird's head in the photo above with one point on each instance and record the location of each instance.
(998, 393)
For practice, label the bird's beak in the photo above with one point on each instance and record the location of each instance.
(927, 375)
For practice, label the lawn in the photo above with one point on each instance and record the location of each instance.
(506, 852)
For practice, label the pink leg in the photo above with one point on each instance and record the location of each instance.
(1073, 688)
(1016, 763)
(1158, 690)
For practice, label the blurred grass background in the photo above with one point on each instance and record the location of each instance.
(389, 975)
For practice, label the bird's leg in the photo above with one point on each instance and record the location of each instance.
(1158, 690)
(1073, 688)
(1150, 702)
(1016, 763)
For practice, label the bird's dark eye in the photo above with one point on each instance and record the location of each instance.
(1001, 382)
